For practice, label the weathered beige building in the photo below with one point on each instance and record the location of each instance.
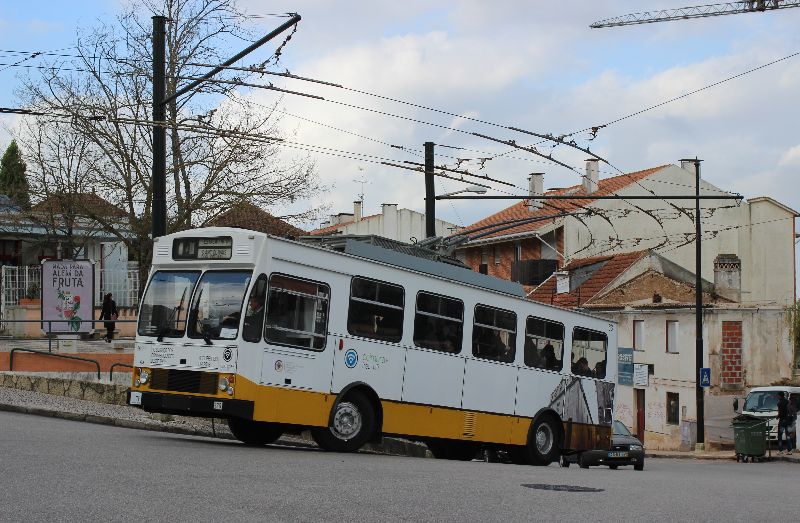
(634, 262)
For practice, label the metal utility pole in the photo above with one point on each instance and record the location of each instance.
(699, 11)
(430, 196)
(159, 225)
(160, 102)
(698, 304)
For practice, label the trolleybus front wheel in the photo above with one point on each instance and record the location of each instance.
(256, 433)
(352, 424)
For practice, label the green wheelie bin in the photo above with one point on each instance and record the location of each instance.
(750, 437)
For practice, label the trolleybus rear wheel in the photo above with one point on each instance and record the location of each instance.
(255, 433)
(352, 424)
(543, 447)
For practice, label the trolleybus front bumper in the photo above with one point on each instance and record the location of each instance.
(197, 406)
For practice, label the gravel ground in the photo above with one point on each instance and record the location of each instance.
(121, 415)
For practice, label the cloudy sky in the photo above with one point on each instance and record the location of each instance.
(535, 65)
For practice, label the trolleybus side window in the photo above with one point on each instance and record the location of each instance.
(544, 344)
(164, 307)
(297, 312)
(376, 310)
(254, 314)
(217, 304)
(589, 353)
(494, 334)
(438, 323)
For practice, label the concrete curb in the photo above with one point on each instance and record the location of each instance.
(795, 458)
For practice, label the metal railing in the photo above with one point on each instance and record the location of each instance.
(45, 353)
(26, 282)
(111, 370)
(49, 334)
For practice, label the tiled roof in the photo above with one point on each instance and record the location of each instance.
(80, 203)
(332, 228)
(614, 266)
(520, 210)
(245, 215)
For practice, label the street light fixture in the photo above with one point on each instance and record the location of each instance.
(479, 189)
(430, 211)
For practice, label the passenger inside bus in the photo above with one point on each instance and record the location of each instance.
(550, 360)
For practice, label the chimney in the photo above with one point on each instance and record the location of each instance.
(334, 219)
(562, 282)
(390, 229)
(592, 179)
(687, 164)
(535, 188)
(357, 210)
(728, 276)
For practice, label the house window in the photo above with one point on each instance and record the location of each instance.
(673, 409)
(638, 334)
(497, 257)
(485, 256)
(672, 337)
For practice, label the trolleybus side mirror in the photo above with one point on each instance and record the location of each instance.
(736, 404)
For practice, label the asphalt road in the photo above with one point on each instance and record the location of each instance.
(58, 470)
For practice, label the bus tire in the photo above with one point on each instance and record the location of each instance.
(352, 425)
(254, 433)
(453, 450)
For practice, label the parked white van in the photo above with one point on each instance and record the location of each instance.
(762, 402)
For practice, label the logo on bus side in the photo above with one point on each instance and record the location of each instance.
(278, 366)
(227, 354)
(351, 358)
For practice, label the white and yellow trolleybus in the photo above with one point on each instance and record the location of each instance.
(282, 336)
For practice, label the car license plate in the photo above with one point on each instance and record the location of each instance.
(136, 398)
(617, 454)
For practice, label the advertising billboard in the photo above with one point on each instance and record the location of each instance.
(67, 296)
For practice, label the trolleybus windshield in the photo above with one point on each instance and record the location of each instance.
(164, 307)
(217, 305)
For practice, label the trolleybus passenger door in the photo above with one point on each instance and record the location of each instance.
(371, 351)
(490, 376)
(295, 332)
(434, 371)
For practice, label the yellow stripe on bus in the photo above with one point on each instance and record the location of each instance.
(300, 407)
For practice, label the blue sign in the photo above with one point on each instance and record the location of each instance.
(625, 366)
(705, 377)
(351, 358)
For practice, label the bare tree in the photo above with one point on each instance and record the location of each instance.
(107, 91)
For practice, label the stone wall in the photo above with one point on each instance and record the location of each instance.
(82, 390)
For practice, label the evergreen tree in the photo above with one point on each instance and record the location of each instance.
(13, 181)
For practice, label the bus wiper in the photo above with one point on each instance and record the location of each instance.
(162, 329)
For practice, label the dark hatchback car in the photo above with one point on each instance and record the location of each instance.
(626, 449)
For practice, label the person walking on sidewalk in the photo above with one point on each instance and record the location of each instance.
(109, 313)
(783, 424)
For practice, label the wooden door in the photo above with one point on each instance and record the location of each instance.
(640, 414)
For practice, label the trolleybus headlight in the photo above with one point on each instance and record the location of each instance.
(230, 391)
(224, 384)
(142, 376)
